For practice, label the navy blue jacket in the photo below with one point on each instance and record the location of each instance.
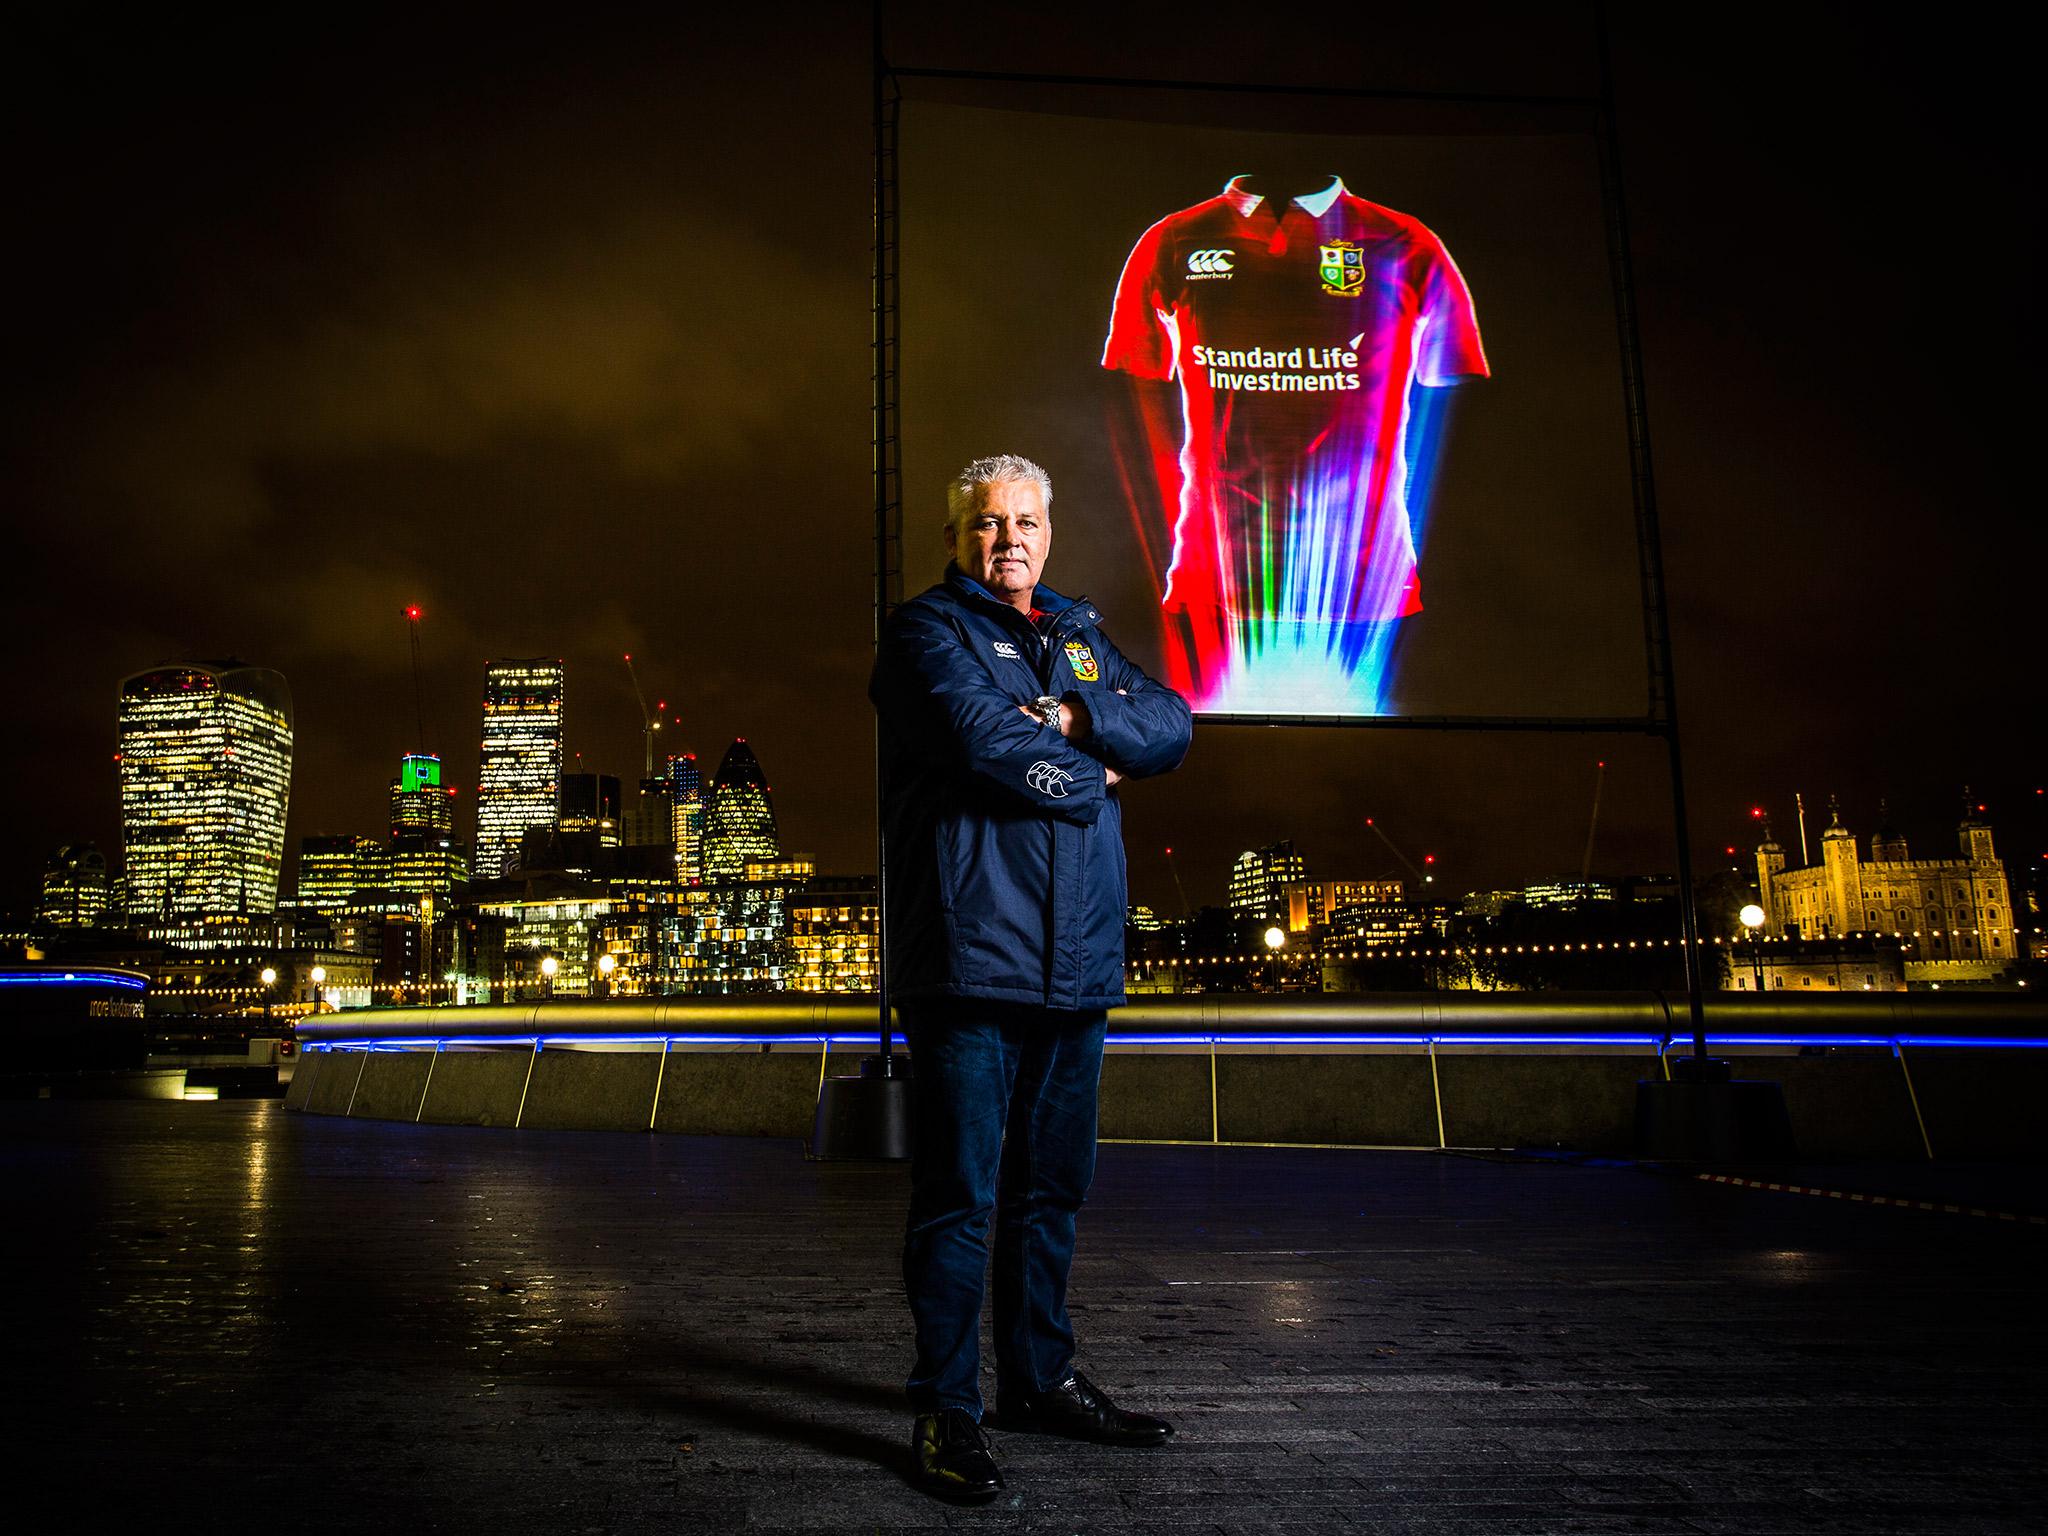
(1006, 851)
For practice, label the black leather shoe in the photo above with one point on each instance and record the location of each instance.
(1078, 1409)
(951, 1458)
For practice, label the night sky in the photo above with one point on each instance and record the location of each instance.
(559, 329)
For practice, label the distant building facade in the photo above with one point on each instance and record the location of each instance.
(649, 818)
(686, 807)
(520, 779)
(1310, 903)
(835, 929)
(590, 803)
(206, 770)
(1260, 877)
(76, 893)
(334, 866)
(1958, 912)
(421, 805)
(739, 823)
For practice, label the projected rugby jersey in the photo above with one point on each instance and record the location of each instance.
(1295, 335)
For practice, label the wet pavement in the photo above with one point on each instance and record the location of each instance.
(229, 1317)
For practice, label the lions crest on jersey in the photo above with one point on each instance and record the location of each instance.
(1082, 660)
(1341, 266)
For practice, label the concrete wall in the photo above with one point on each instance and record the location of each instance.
(1844, 1104)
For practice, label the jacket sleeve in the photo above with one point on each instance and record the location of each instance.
(928, 687)
(1141, 727)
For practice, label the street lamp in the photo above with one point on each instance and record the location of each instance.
(1276, 940)
(268, 976)
(548, 966)
(1753, 919)
(318, 976)
(606, 964)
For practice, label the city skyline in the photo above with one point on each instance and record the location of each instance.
(262, 426)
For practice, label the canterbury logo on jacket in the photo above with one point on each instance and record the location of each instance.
(1006, 855)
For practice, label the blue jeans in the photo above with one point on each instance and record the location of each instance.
(1005, 1107)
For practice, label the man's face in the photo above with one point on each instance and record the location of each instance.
(1004, 544)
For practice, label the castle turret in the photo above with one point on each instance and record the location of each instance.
(1974, 833)
(1887, 843)
(1844, 883)
(1770, 863)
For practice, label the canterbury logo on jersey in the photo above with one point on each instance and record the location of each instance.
(1048, 779)
(1213, 263)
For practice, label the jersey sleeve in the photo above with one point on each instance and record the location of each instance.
(1450, 348)
(1140, 341)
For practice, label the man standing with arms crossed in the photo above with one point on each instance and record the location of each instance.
(1007, 722)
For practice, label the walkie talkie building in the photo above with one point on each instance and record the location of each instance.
(206, 775)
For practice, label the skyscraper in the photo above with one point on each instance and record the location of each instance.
(206, 773)
(420, 802)
(518, 785)
(334, 866)
(739, 823)
(686, 806)
(590, 803)
(75, 893)
(650, 818)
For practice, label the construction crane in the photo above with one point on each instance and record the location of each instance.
(1171, 865)
(419, 710)
(649, 722)
(1593, 826)
(1406, 863)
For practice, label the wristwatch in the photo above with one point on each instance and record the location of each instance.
(1047, 707)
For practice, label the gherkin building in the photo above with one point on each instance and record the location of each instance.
(739, 825)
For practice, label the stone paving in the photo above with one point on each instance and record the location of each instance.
(229, 1317)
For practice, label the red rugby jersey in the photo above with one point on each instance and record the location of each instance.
(1295, 334)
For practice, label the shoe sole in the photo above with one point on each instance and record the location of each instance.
(1021, 1426)
(957, 1495)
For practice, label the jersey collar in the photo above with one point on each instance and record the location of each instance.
(1315, 205)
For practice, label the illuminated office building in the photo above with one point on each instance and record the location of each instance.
(425, 864)
(206, 771)
(834, 931)
(739, 824)
(1312, 902)
(75, 892)
(686, 806)
(732, 936)
(420, 802)
(650, 820)
(520, 780)
(333, 867)
(590, 803)
(1259, 878)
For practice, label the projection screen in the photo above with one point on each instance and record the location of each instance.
(1332, 417)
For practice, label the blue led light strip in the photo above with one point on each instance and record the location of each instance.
(70, 979)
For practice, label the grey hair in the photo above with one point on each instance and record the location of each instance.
(966, 489)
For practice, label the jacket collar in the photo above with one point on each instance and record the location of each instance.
(1067, 613)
